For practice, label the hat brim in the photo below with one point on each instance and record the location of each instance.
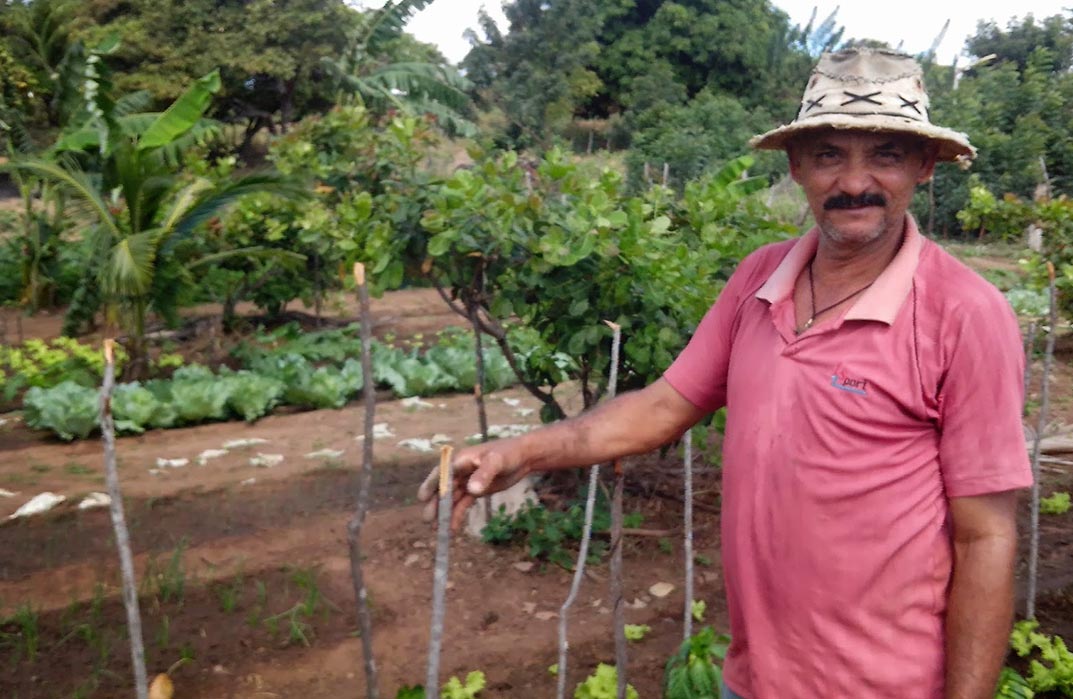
(953, 145)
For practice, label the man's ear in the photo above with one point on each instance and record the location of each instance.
(927, 166)
(795, 163)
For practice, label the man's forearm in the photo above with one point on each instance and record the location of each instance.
(978, 616)
(632, 423)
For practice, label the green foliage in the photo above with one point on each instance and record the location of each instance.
(1004, 219)
(454, 689)
(46, 364)
(602, 684)
(564, 256)
(698, 608)
(547, 533)
(1055, 218)
(693, 672)
(636, 632)
(1051, 666)
(1056, 504)
(1011, 685)
(1028, 303)
(68, 409)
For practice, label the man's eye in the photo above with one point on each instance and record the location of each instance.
(889, 156)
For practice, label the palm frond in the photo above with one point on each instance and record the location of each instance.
(129, 271)
(184, 200)
(71, 178)
(213, 203)
(286, 257)
(388, 22)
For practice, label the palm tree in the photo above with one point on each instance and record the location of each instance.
(139, 204)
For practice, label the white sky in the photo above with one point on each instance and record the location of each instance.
(916, 22)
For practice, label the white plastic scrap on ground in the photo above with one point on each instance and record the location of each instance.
(239, 443)
(440, 438)
(501, 432)
(415, 403)
(95, 500)
(38, 504)
(248, 481)
(7, 493)
(524, 412)
(418, 444)
(325, 454)
(3, 421)
(161, 462)
(266, 460)
(204, 457)
(380, 431)
(512, 402)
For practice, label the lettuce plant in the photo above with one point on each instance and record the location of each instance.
(69, 410)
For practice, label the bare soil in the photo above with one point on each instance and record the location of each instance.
(244, 569)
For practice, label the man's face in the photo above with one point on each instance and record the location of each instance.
(858, 183)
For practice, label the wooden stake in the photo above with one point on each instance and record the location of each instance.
(439, 578)
(688, 545)
(119, 524)
(1041, 423)
(357, 522)
(586, 533)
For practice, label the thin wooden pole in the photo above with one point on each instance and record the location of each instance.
(357, 522)
(586, 534)
(1030, 349)
(618, 604)
(1041, 423)
(688, 544)
(119, 524)
(439, 577)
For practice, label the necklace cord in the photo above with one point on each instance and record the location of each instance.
(812, 298)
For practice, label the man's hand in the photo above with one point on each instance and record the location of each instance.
(633, 423)
(478, 471)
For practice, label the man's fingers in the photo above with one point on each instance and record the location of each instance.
(486, 473)
(430, 487)
(458, 515)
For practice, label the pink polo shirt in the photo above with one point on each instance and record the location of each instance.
(843, 446)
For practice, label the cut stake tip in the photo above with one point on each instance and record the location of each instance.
(359, 273)
(109, 350)
(445, 469)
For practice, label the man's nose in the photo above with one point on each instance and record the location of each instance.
(855, 177)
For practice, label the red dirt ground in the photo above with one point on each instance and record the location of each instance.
(244, 543)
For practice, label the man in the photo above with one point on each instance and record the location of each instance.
(873, 440)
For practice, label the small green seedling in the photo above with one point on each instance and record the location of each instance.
(1057, 504)
(698, 608)
(636, 632)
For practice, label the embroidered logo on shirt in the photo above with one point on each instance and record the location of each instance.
(858, 386)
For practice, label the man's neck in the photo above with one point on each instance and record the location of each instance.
(838, 266)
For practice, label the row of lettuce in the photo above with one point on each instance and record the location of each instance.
(282, 368)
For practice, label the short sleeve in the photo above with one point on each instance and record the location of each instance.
(981, 443)
(699, 373)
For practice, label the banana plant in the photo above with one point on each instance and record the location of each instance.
(410, 87)
(139, 206)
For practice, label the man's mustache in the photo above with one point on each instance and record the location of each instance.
(848, 201)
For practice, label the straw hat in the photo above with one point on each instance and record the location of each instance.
(873, 90)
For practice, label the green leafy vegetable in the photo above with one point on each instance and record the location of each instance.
(69, 410)
(1053, 669)
(133, 407)
(636, 632)
(1056, 504)
(693, 672)
(602, 684)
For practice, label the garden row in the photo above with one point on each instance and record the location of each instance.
(314, 371)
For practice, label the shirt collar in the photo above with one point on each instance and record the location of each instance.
(881, 301)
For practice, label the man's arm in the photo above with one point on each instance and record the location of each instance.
(632, 423)
(981, 596)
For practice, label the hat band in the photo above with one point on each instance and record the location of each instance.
(897, 115)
